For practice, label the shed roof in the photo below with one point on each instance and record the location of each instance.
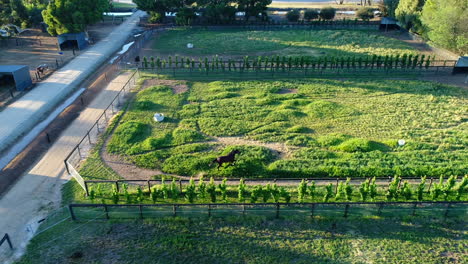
(388, 20)
(462, 62)
(11, 68)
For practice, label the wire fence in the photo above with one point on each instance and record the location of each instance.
(238, 69)
(337, 209)
(132, 185)
(86, 144)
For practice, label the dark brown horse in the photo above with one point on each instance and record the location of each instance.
(229, 158)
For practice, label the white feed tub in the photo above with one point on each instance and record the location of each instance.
(158, 117)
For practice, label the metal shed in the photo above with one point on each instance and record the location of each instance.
(388, 23)
(15, 75)
(461, 66)
(72, 41)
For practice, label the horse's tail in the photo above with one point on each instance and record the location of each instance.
(211, 163)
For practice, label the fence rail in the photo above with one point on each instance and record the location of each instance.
(343, 209)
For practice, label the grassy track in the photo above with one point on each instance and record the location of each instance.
(329, 127)
(237, 43)
(254, 240)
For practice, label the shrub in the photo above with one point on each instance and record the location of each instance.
(364, 190)
(327, 13)
(183, 136)
(311, 14)
(302, 190)
(275, 193)
(365, 13)
(293, 16)
(406, 191)
(461, 187)
(115, 195)
(420, 189)
(211, 190)
(328, 192)
(174, 189)
(348, 190)
(127, 134)
(392, 192)
(285, 194)
(436, 190)
(256, 193)
(201, 188)
(190, 191)
(241, 191)
(311, 190)
(223, 188)
(373, 189)
(360, 145)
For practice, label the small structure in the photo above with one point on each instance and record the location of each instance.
(388, 23)
(158, 117)
(15, 76)
(72, 41)
(461, 66)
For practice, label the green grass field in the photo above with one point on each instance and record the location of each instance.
(239, 43)
(328, 128)
(253, 239)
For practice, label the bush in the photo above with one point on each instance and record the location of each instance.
(365, 13)
(311, 14)
(293, 16)
(327, 13)
(356, 145)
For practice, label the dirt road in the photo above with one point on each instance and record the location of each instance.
(39, 192)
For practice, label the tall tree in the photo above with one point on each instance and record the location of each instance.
(447, 23)
(388, 7)
(72, 16)
(218, 11)
(12, 11)
(253, 8)
(408, 13)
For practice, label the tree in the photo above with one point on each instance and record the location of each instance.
(446, 22)
(218, 11)
(327, 13)
(156, 8)
(365, 13)
(253, 8)
(72, 16)
(311, 14)
(408, 13)
(293, 15)
(13, 11)
(185, 16)
(388, 7)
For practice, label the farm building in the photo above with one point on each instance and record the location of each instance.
(16, 76)
(72, 41)
(461, 66)
(388, 23)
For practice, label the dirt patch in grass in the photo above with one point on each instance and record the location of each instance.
(287, 91)
(176, 86)
(280, 149)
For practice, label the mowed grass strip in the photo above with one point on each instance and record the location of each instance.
(329, 128)
(253, 239)
(237, 43)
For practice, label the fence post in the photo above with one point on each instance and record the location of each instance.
(447, 210)
(414, 209)
(430, 185)
(277, 210)
(243, 209)
(346, 211)
(66, 166)
(86, 188)
(79, 152)
(312, 210)
(379, 212)
(89, 137)
(117, 186)
(209, 210)
(336, 187)
(72, 214)
(174, 210)
(107, 212)
(141, 211)
(149, 186)
(180, 185)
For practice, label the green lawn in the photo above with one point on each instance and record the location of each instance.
(238, 43)
(254, 239)
(330, 128)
